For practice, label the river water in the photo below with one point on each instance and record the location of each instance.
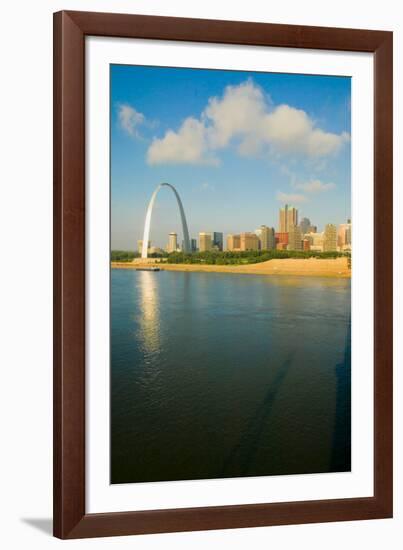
(221, 375)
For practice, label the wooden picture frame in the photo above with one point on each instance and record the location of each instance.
(70, 517)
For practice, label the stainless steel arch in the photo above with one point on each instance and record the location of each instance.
(147, 224)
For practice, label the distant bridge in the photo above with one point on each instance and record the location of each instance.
(147, 224)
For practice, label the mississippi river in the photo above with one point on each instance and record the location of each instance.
(223, 375)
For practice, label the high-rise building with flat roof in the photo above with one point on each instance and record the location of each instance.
(316, 241)
(266, 236)
(249, 241)
(281, 240)
(344, 236)
(305, 224)
(330, 238)
(233, 242)
(205, 242)
(172, 242)
(218, 240)
(294, 237)
(287, 216)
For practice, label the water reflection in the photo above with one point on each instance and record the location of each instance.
(148, 315)
(224, 376)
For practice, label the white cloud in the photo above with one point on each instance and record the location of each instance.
(290, 197)
(291, 130)
(314, 186)
(237, 114)
(130, 119)
(244, 117)
(187, 146)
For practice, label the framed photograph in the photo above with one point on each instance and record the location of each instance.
(222, 274)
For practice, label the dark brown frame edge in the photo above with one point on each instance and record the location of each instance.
(70, 518)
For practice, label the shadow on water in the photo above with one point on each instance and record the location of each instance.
(242, 455)
(341, 448)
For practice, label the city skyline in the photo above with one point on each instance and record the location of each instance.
(290, 235)
(281, 226)
(232, 173)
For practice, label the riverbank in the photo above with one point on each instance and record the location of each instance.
(311, 267)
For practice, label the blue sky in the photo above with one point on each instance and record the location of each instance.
(236, 145)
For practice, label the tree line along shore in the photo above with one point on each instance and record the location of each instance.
(229, 257)
(276, 262)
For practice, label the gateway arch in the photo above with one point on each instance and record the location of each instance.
(147, 224)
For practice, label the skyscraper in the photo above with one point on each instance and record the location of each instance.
(249, 241)
(294, 237)
(283, 220)
(316, 240)
(205, 242)
(193, 245)
(218, 240)
(344, 236)
(330, 238)
(288, 216)
(281, 240)
(305, 225)
(266, 237)
(233, 242)
(172, 242)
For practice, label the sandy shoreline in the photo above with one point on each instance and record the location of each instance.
(311, 267)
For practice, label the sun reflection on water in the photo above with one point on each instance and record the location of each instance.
(149, 333)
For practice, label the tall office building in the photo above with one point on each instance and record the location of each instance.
(305, 225)
(283, 220)
(344, 236)
(233, 242)
(172, 242)
(294, 237)
(288, 217)
(316, 241)
(330, 238)
(266, 236)
(218, 241)
(249, 241)
(205, 242)
(281, 240)
(348, 234)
